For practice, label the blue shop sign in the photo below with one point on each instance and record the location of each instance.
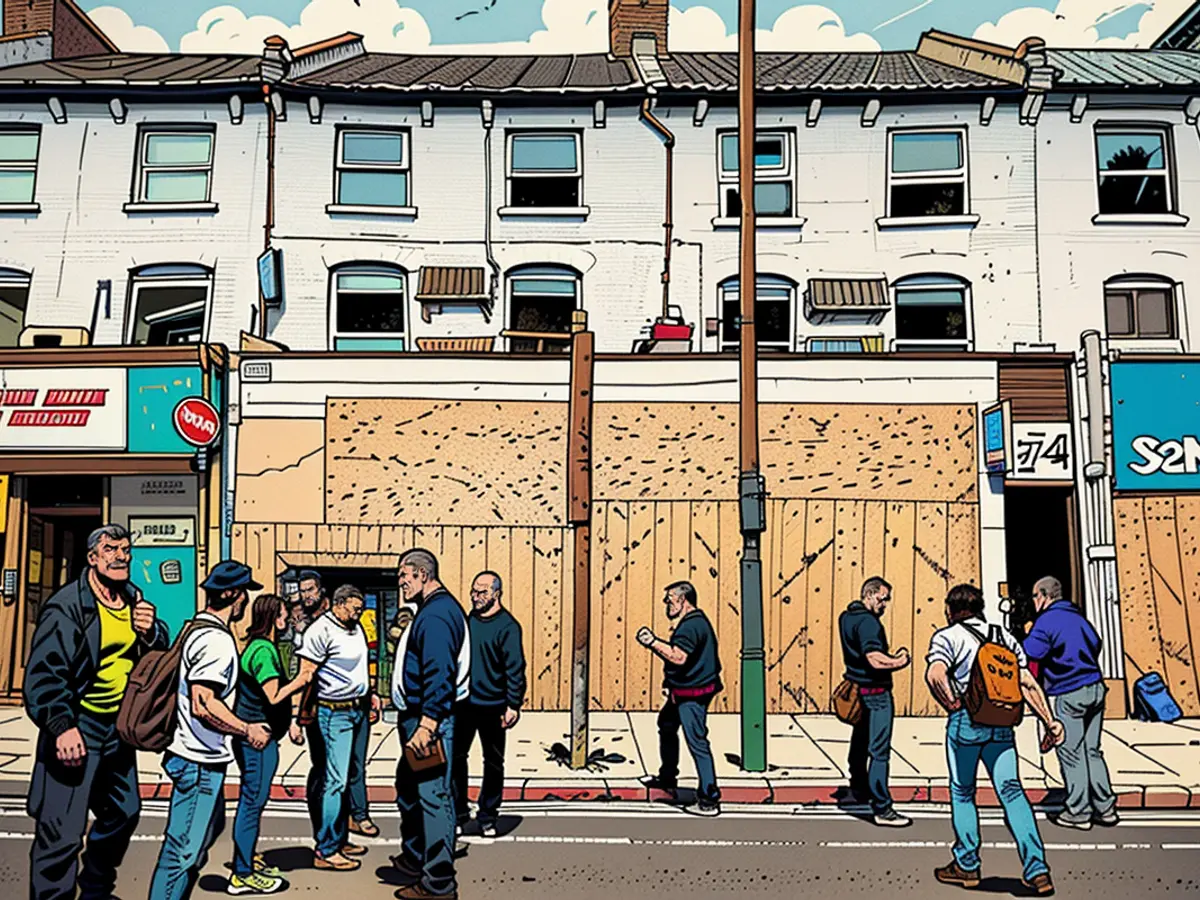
(1156, 425)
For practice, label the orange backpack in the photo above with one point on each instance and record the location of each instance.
(994, 690)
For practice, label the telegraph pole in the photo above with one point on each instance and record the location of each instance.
(751, 485)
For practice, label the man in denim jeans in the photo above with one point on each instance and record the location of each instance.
(951, 656)
(202, 749)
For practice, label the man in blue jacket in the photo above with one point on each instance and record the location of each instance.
(88, 639)
(429, 678)
(1067, 648)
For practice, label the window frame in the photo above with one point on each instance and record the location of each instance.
(926, 282)
(141, 169)
(1132, 286)
(404, 166)
(363, 267)
(23, 165)
(141, 280)
(1162, 130)
(764, 279)
(529, 272)
(932, 176)
(511, 137)
(18, 278)
(784, 174)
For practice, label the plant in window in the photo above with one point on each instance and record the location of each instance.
(1134, 174)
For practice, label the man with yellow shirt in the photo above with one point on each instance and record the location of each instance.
(88, 638)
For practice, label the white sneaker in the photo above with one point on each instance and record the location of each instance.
(891, 819)
(488, 831)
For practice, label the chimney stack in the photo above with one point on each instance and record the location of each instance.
(630, 19)
(277, 59)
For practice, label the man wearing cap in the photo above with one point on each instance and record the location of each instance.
(202, 747)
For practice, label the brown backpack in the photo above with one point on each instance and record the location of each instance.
(150, 708)
(994, 690)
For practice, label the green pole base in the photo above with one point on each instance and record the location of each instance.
(754, 716)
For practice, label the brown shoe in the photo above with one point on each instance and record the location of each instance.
(366, 827)
(1040, 884)
(350, 849)
(335, 863)
(418, 891)
(955, 874)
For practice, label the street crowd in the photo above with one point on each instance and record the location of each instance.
(302, 674)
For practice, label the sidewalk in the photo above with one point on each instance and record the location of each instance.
(1152, 765)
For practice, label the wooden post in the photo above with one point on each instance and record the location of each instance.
(579, 490)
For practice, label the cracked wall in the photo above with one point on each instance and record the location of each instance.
(280, 470)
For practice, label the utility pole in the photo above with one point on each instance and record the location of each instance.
(579, 493)
(752, 488)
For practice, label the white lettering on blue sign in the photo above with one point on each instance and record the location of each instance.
(1171, 457)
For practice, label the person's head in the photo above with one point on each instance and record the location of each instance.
(964, 601)
(227, 587)
(876, 594)
(486, 591)
(1046, 591)
(311, 591)
(679, 599)
(109, 552)
(268, 617)
(347, 605)
(417, 573)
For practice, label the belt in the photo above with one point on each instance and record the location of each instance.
(870, 692)
(341, 704)
(694, 693)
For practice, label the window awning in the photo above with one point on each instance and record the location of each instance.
(453, 284)
(848, 295)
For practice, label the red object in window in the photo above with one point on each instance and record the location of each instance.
(665, 331)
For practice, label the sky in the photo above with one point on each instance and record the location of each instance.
(580, 26)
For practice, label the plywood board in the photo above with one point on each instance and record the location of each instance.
(615, 599)
(1139, 614)
(820, 536)
(1187, 515)
(706, 560)
(1167, 579)
(474, 557)
(725, 609)
(547, 613)
(521, 592)
(963, 556)
(640, 601)
(450, 557)
(930, 583)
(898, 568)
(566, 607)
(456, 462)
(602, 567)
(280, 470)
(771, 604)
(791, 596)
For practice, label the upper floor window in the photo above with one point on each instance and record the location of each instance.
(774, 302)
(174, 165)
(932, 313)
(545, 170)
(14, 300)
(18, 166)
(169, 305)
(927, 174)
(373, 168)
(774, 174)
(541, 303)
(1140, 308)
(369, 308)
(1134, 171)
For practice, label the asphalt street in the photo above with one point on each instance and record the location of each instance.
(637, 850)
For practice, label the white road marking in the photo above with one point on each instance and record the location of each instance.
(1181, 846)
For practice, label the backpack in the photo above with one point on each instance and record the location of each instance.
(150, 708)
(994, 691)
(1152, 702)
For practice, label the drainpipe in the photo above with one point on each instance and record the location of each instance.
(668, 139)
(488, 112)
(269, 219)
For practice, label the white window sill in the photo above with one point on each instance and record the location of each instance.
(34, 208)
(544, 212)
(170, 208)
(1173, 219)
(1132, 345)
(761, 223)
(351, 209)
(927, 221)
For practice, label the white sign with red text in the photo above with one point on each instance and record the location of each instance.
(62, 409)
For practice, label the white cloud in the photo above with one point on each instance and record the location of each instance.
(799, 28)
(131, 38)
(1073, 23)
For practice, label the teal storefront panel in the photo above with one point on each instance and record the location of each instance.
(153, 395)
(174, 602)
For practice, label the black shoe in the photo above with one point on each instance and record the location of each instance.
(654, 783)
(409, 870)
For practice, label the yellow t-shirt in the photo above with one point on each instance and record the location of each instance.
(116, 661)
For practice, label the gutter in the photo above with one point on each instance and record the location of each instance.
(646, 114)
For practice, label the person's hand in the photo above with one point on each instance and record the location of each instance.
(903, 655)
(296, 733)
(509, 719)
(258, 735)
(376, 708)
(70, 749)
(143, 617)
(421, 742)
(645, 636)
(1056, 733)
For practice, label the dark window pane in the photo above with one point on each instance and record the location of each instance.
(184, 329)
(535, 192)
(157, 324)
(771, 198)
(369, 313)
(928, 199)
(773, 319)
(1154, 314)
(768, 153)
(1126, 194)
(930, 322)
(1118, 307)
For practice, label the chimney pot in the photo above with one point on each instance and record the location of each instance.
(275, 42)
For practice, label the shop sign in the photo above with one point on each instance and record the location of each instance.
(196, 421)
(1042, 451)
(998, 438)
(175, 531)
(1156, 425)
(62, 409)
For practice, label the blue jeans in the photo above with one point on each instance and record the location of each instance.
(871, 750)
(258, 770)
(692, 715)
(967, 744)
(426, 804)
(359, 809)
(330, 750)
(195, 821)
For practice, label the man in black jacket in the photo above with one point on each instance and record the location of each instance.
(88, 639)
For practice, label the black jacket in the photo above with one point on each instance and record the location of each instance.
(66, 654)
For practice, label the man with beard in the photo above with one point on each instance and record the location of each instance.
(202, 747)
(88, 639)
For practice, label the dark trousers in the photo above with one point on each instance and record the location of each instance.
(871, 751)
(485, 721)
(59, 800)
(426, 803)
(692, 717)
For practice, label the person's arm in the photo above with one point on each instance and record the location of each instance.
(877, 659)
(514, 670)
(277, 693)
(438, 678)
(47, 690)
(870, 637)
(308, 671)
(937, 676)
(211, 709)
(1039, 642)
(1036, 698)
(673, 654)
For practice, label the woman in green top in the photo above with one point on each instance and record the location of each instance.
(262, 696)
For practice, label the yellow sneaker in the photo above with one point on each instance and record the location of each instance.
(253, 884)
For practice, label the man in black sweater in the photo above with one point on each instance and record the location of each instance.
(497, 692)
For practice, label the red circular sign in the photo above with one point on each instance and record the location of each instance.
(196, 421)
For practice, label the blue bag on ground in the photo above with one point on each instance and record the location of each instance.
(1152, 702)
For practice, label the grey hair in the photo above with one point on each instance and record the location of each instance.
(873, 586)
(344, 593)
(497, 582)
(112, 532)
(421, 559)
(1051, 585)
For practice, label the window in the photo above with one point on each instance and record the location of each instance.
(1139, 308)
(541, 301)
(14, 300)
(927, 174)
(18, 166)
(773, 304)
(1134, 171)
(932, 313)
(174, 166)
(169, 305)
(368, 308)
(838, 345)
(544, 171)
(774, 177)
(372, 168)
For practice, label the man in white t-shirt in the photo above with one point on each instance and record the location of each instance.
(201, 748)
(335, 653)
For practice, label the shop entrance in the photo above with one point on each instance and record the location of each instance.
(1041, 538)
